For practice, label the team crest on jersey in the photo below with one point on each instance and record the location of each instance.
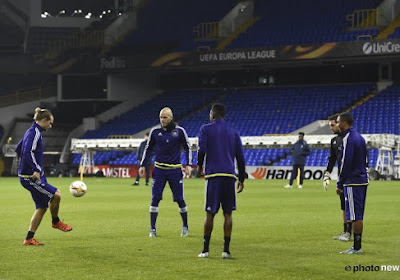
(159, 134)
(175, 133)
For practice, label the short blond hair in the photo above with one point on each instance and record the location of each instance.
(41, 114)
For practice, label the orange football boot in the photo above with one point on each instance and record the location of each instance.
(61, 226)
(32, 241)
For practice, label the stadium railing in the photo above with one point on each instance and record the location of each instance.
(207, 31)
(88, 39)
(364, 18)
(27, 95)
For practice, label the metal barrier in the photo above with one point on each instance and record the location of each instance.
(364, 18)
(27, 95)
(207, 31)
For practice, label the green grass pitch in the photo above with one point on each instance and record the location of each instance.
(277, 234)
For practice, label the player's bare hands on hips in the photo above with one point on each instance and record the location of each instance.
(141, 171)
(36, 176)
(239, 187)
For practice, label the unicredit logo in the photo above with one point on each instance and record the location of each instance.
(381, 48)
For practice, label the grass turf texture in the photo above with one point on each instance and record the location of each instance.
(277, 234)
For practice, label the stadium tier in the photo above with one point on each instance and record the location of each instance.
(305, 22)
(380, 114)
(177, 26)
(254, 112)
(146, 115)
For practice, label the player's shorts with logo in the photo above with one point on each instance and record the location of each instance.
(41, 191)
(175, 179)
(220, 191)
(355, 202)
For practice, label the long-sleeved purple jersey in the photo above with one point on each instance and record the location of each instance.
(30, 149)
(353, 170)
(167, 145)
(220, 144)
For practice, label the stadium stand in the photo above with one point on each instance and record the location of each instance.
(320, 158)
(379, 114)
(181, 103)
(281, 110)
(253, 112)
(306, 22)
(177, 26)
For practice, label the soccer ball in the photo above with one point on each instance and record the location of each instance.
(77, 188)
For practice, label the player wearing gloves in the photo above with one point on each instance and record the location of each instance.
(334, 157)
